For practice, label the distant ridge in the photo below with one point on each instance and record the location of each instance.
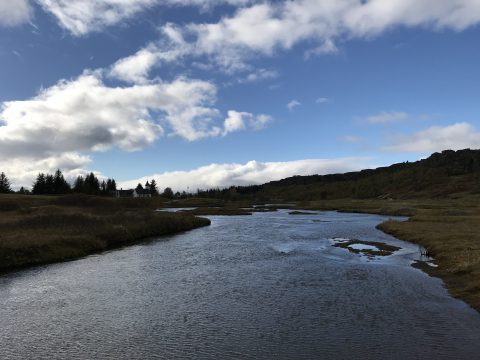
(440, 174)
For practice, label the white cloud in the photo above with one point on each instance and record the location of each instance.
(83, 16)
(387, 117)
(136, 68)
(83, 115)
(260, 75)
(23, 170)
(260, 121)
(14, 12)
(237, 121)
(284, 24)
(323, 100)
(253, 172)
(437, 138)
(293, 104)
(327, 47)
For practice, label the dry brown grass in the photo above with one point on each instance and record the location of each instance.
(49, 229)
(448, 228)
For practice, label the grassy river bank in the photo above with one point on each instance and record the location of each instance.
(38, 230)
(448, 228)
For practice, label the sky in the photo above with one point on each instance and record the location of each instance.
(214, 93)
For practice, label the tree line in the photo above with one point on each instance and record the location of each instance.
(56, 184)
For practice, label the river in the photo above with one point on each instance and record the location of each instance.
(266, 286)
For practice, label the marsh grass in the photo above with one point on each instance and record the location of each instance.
(44, 230)
(448, 229)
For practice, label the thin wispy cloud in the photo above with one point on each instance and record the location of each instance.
(323, 100)
(293, 104)
(385, 118)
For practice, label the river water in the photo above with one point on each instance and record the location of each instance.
(267, 286)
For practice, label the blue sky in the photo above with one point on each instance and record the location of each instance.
(199, 93)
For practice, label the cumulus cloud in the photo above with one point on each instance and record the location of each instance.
(386, 117)
(85, 114)
(253, 172)
(83, 16)
(293, 104)
(13, 13)
(284, 24)
(437, 138)
(237, 121)
(136, 68)
(23, 170)
(228, 44)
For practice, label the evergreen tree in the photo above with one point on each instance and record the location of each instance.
(103, 187)
(23, 191)
(4, 184)
(139, 187)
(79, 184)
(49, 184)
(111, 185)
(168, 193)
(114, 185)
(39, 186)
(60, 185)
(153, 187)
(92, 185)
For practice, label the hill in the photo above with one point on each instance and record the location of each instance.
(441, 174)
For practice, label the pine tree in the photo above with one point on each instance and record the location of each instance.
(103, 187)
(92, 185)
(4, 184)
(38, 186)
(23, 191)
(153, 187)
(60, 185)
(111, 185)
(79, 184)
(49, 184)
(168, 193)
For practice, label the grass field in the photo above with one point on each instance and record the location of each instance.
(37, 230)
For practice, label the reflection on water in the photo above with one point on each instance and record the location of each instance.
(268, 286)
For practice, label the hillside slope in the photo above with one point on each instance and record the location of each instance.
(441, 174)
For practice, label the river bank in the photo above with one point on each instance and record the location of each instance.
(38, 230)
(448, 228)
(270, 285)
(41, 230)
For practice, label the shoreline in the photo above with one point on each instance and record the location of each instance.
(59, 229)
(139, 241)
(448, 229)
